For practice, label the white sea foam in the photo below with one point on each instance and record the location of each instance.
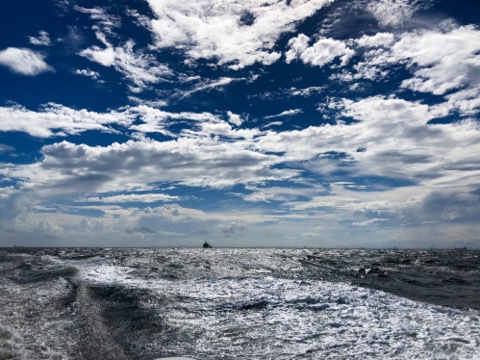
(237, 308)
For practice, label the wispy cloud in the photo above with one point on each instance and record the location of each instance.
(139, 68)
(103, 21)
(131, 198)
(209, 85)
(285, 113)
(43, 39)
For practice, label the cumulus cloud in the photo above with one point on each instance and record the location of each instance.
(379, 39)
(6, 192)
(43, 39)
(235, 119)
(88, 73)
(237, 33)
(396, 139)
(442, 62)
(24, 61)
(194, 162)
(322, 52)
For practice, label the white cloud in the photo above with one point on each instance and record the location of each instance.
(273, 123)
(156, 120)
(219, 30)
(139, 68)
(392, 12)
(322, 52)
(377, 40)
(443, 61)
(88, 73)
(24, 61)
(43, 39)
(105, 56)
(369, 222)
(290, 112)
(58, 120)
(6, 192)
(209, 85)
(235, 119)
(306, 92)
(397, 140)
(129, 198)
(203, 162)
(297, 46)
(103, 21)
(45, 226)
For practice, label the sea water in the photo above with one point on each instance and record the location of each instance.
(239, 304)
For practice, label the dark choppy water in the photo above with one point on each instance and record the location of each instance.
(239, 304)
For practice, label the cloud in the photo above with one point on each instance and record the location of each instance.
(141, 230)
(377, 40)
(322, 52)
(157, 120)
(138, 67)
(397, 139)
(442, 62)
(237, 33)
(232, 228)
(369, 222)
(392, 12)
(58, 120)
(6, 192)
(43, 39)
(449, 206)
(6, 149)
(88, 73)
(285, 113)
(235, 119)
(306, 92)
(209, 85)
(24, 61)
(297, 46)
(129, 198)
(103, 21)
(200, 162)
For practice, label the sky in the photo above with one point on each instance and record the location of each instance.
(278, 123)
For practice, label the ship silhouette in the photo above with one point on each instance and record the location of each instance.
(206, 245)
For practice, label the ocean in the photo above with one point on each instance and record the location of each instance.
(136, 303)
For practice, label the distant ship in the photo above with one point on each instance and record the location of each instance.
(206, 245)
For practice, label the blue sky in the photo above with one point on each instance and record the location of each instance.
(244, 123)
